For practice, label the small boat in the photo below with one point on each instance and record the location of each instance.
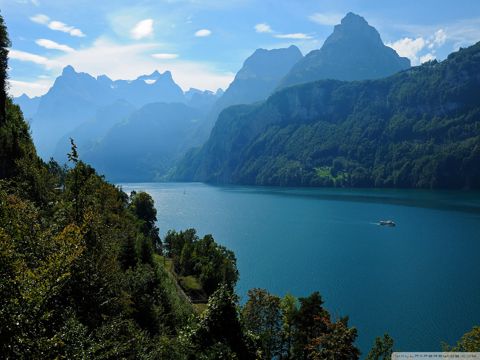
(387, 223)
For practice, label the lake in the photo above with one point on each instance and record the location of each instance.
(418, 281)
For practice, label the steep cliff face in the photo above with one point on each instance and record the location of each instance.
(354, 51)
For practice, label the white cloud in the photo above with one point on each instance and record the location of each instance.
(40, 19)
(142, 29)
(412, 48)
(439, 39)
(165, 56)
(29, 2)
(203, 33)
(326, 18)
(294, 36)
(263, 28)
(409, 47)
(36, 88)
(29, 57)
(57, 25)
(49, 44)
(426, 57)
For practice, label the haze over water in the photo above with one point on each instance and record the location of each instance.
(416, 281)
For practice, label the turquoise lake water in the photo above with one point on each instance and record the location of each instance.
(418, 281)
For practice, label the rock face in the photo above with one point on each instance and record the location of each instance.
(419, 128)
(354, 51)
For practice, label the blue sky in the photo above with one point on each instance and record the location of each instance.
(204, 42)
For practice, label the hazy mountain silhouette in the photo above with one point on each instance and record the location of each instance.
(75, 98)
(147, 144)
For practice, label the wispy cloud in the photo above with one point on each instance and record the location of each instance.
(57, 25)
(52, 45)
(142, 29)
(266, 29)
(31, 88)
(294, 36)
(165, 56)
(40, 19)
(29, 57)
(263, 28)
(29, 2)
(203, 33)
(328, 19)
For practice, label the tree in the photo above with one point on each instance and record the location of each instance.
(289, 308)
(262, 316)
(220, 328)
(382, 349)
(469, 342)
(337, 342)
(308, 324)
(143, 206)
(4, 45)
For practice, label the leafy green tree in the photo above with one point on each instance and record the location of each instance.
(143, 206)
(288, 305)
(382, 349)
(262, 316)
(220, 330)
(469, 342)
(308, 324)
(337, 342)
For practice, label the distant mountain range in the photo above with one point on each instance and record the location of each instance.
(418, 128)
(75, 98)
(107, 117)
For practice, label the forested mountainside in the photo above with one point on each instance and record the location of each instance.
(419, 128)
(354, 51)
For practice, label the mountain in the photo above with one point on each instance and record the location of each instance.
(75, 98)
(255, 81)
(259, 76)
(91, 132)
(354, 51)
(418, 128)
(28, 105)
(203, 100)
(147, 144)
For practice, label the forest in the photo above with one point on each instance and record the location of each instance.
(81, 275)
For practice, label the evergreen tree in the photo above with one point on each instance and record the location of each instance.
(4, 45)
